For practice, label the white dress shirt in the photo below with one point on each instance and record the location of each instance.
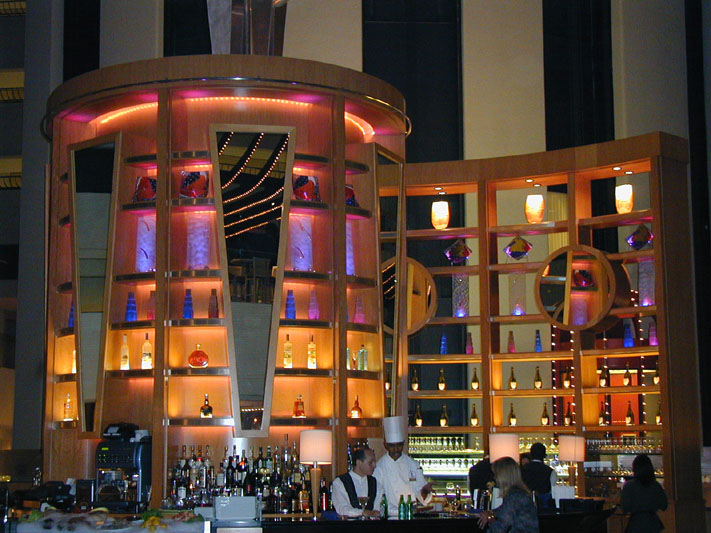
(341, 501)
(403, 476)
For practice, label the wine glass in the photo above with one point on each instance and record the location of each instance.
(363, 500)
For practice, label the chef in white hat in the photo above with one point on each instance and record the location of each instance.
(396, 471)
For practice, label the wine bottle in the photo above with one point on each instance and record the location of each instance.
(602, 415)
(213, 308)
(545, 420)
(68, 411)
(198, 358)
(473, 417)
(206, 409)
(475, 381)
(604, 377)
(418, 416)
(298, 413)
(414, 380)
(74, 361)
(311, 354)
(566, 377)
(125, 364)
(288, 353)
(656, 378)
(146, 354)
(363, 358)
(512, 416)
(629, 417)
(511, 344)
(538, 345)
(443, 417)
(627, 376)
(469, 348)
(537, 381)
(188, 304)
(513, 384)
(441, 382)
(568, 416)
(658, 416)
(388, 379)
(356, 411)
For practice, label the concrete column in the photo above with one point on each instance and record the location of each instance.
(44, 22)
(131, 30)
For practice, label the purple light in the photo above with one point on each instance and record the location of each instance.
(518, 311)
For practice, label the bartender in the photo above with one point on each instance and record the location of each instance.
(397, 472)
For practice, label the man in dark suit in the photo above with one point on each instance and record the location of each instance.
(539, 477)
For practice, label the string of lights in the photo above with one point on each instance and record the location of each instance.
(256, 202)
(251, 228)
(252, 216)
(225, 144)
(245, 159)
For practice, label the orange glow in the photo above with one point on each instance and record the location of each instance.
(440, 214)
(204, 166)
(624, 198)
(247, 99)
(103, 119)
(365, 128)
(534, 208)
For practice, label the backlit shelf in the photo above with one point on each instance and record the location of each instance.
(621, 428)
(357, 213)
(509, 268)
(203, 273)
(65, 378)
(301, 276)
(139, 206)
(443, 359)
(453, 320)
(363, 374)
(183, 205)
(542, 228)
(532, 356)
(636, 256)
(516, 319)
(532, 393)
(136, 278)
(218, 421)
(469, 270)
(192, 322)
(353, 167)
(443, 394)
(305, 372)
(636, 389)
(301, 422)
(364, 328)
(136, 324)
(438, 430)
(207, 371)
(364, 422)
(303, 323)
(142, 161)
(130, 374)
(611, 221)
(64, 332)
(359, 282)
(533, 429)
(65, 424)
(310, 161)
(636, 351)
(191, 157)
(306, 207)
(629, 312)
(436, 234)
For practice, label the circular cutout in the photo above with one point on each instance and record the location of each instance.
(577, 287)
(421, 295)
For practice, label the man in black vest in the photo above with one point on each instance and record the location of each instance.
(538, 476)
(359, 482)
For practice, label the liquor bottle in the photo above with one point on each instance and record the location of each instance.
(568, 416)
(545, 420)
(538, 346)
(314, 312)
(288, 353)
(602, 416)
(628, 338)
(70, 320)
(511, 344)
(443, 417)
(131, 313)
(566, 377)
(414, 380)
(206, 409)
(537, 381)
(362, 358)
(388, 379)
(349, 457)
(146, 354)
(473, 417)
(230, 474)
(384, 507)
(656, 378)
(213, 308)
(298, 412)
(443, 349)
(512, 416)
(125, 364)
(418, 416)
(475, 385)
(354, 359)
(627, 376)
(151, 306)
(629, 417)
(68, 412)
(323, 496)
(653, 341)
(441, 382)
(513, 384)
(74, 361)
(401, 509)
(469, 347)
(188, 304)
(356, 411)
(290, 306)
(304, 499)
(198, 358)
(358, 313)
(604, 378)
(658, 416)
(311, 354)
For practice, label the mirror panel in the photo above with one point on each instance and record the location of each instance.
(255, 187)
(421, 295)
(93, 173)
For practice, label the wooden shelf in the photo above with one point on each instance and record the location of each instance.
(636, 389)
(136, 324)
(64, 332)
(438, 430)
(184, 205)
(437, 234)
(191, 157)
(193, 322)
(623, 428)
(65, 288)
(461, 320)
(65, 378)
(364, 328)
(443, 394)
(204, 273)
(353, 167)
(511, 268)
(443, 359)
(207, 371)
(65, 424)
(297, 422)
(363, 374)
(469, 270)
(637, 351)
(130, 374)
(300, 276)
(388, 236)
(149, 206)
(305, 372)
(532, 393)
(629, 312)
(543, 228)
(303, 323)
(364, 422)
(358, 282)
(533, 429)
(307, 207)
(310, 161)
(636, 256)
(142, 161)
(517, 319)
(136, 278)
(358, 213)
(612, 221)
(532, 356)
(218, 421)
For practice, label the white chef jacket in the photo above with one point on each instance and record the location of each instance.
(341, 501)
(403, 476)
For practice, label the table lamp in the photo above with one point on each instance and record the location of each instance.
(315, 448)
(571, 448)
(503, 445)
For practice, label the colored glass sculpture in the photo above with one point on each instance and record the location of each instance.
(457, 252)
(193, 184)
(518, 248)
(640, 237)
(145, 189)
(306, 188)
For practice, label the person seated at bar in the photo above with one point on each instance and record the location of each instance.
(524, 459)
(642, 497)
(358, 483)
(396, 471)
(539, 477)
(516, 514)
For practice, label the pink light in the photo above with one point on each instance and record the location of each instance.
(365, 128)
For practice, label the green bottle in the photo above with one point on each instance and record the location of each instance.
(384, 508)
(401, 509)
(410, 507)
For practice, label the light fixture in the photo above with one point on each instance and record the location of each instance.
(440, 214)
(571, 448)
(315, 447)
(629, 172)
(529, 180)
(616, 168)
(534, 208)
(503, 445)
(536, 184)
(624, 198)
(438, 188)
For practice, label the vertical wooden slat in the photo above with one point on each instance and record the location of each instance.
(400, 381)
(488, 306)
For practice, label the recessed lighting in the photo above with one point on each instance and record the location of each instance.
(616, 168)
(438, 188)
(536, 184)
(529, 180)
(629, 172)
(441, 193)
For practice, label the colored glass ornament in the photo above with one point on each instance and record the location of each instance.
(518, 248)
(193, 184)
(640, 237)
(457, 252)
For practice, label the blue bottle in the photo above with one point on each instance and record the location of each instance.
(628, 340)
(131, 314)
(443, 344)
(539, 347)
(290, 308)
(188, 304)
(70, 322)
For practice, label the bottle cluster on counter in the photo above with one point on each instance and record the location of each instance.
(278, 480)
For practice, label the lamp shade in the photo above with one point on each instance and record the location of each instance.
(571, 448)
(624, 198)
(315, 446)
(503, 445)
(534, 208)
(440, 214)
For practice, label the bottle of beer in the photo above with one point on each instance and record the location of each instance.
(409, 507)
(401, 508)
(384, 507)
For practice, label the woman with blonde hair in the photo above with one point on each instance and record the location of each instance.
(516, 514)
